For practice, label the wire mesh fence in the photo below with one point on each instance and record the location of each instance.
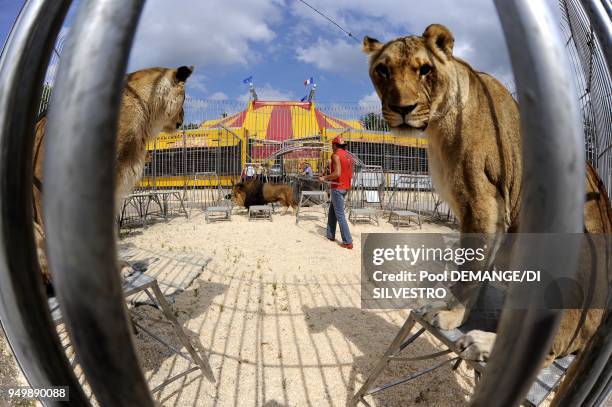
(594, 84)
(52, 71)
(224, 142)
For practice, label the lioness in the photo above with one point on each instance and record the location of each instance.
(255, 192)
(152, 102)
(474, 146)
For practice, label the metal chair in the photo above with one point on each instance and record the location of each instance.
(483, 317)
(214, 204)
(138, 200)
(260, 212)
(313, 197)
(139, 282)
(163, 197)
(404, 203)
(365, 200)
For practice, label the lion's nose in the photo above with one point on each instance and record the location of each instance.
(402, 110)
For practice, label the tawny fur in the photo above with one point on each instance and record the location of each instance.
(152, 102)
(255, 192)
(475, 155)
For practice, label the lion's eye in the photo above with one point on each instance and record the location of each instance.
(382, 70)
(424, 69)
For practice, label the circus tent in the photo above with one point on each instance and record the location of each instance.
(269, 123)
(283, 134)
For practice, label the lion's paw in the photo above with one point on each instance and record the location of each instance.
(440, 316)
(125, 269)
(476, 345)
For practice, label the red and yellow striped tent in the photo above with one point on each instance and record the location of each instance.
(256, 134)
(271, 122)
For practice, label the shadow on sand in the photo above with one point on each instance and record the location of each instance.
(372, 334)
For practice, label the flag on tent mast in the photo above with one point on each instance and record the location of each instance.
(309, 81)
(252, 91)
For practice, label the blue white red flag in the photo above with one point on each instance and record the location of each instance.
(309, 81)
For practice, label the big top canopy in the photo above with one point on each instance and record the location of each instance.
(265, 131)
(268, 123)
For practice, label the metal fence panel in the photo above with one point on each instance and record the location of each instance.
(594, 84)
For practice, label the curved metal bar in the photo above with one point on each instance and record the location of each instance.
(593, 371)
(80, 165)
(552, 194)
(23, 306)
(604, 387)
(600, 21)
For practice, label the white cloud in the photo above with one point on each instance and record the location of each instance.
(337, 56)
(218, 96)
(474, 24)
(202, 33)
(370, 100)
(464, 50)
(267, 92)
(196, 83)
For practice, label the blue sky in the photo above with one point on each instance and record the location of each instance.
(283, 42)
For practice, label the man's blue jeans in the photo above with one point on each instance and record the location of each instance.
(336, 214)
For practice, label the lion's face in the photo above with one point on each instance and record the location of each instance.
(409, 75)
(164, 90)
(238, 195)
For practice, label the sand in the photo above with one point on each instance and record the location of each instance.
(277, 310)
(10, 374)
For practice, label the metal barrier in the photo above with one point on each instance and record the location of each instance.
(589, 49)
(588, 31)
(81, 234)
(276, 140)
(551, 198)
(23, 310)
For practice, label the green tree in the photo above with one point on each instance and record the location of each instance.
(374, 121)
(191, 126)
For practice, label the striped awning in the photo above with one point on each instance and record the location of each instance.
(272, 122)
(280, 121)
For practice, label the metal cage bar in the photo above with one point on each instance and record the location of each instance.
(600, 21)
(585, 47)
(593, 372)
(23, 307)
(553, 176)
(589, 30)
(81, 233)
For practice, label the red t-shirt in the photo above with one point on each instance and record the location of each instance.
(346, 170)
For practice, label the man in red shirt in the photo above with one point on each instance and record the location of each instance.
(341, 173)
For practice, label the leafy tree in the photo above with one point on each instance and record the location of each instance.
(374, 121)
(191, 126)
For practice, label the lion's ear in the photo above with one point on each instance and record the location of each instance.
(183, 73)
(439, 40)
(371, 45)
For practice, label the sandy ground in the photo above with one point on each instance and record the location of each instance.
(10, 375)
(277, 309)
